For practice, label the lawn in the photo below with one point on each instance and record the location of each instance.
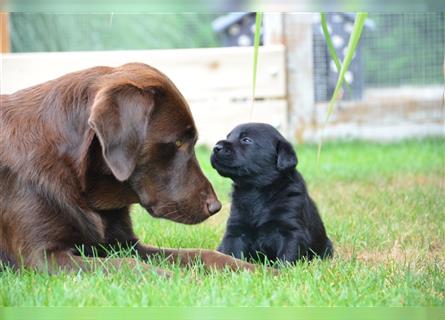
(383, 206)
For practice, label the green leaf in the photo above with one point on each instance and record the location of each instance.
(327, 36)
(352, 45)
(256, 44)
(331, 49)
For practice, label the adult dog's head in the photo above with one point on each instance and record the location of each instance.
(147, 135)
(253, 153)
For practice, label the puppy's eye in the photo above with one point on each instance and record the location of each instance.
(246, 140)
(179, 143)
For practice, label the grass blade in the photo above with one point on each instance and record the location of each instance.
(331, 49)
(327, 36)
(352, 45)
(256, 45)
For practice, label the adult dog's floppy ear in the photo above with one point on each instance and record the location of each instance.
(119, 117)
(286, 157)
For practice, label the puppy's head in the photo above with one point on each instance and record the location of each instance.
(147, 135)
(253, 153)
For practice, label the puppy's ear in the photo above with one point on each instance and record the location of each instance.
(119, 116)
(286, 157)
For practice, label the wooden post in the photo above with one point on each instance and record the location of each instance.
(300, 75)
(273, 28)
(4, 32)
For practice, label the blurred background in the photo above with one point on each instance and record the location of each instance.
(395, 82)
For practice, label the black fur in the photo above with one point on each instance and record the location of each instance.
(272, 214)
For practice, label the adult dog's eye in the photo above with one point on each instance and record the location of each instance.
(246, 140)
(179, 143)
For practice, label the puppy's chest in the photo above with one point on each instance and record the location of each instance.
(251, 213)
(259, 220)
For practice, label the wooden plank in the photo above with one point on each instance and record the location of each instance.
(408, 112)
(273, 28)
(4, 32)
(397, 105)
(198, 73)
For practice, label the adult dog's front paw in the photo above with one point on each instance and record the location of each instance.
(220, 261)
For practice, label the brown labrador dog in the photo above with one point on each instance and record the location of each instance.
(77, 151)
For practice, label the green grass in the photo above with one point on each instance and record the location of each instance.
(383, 206)
(31, 32)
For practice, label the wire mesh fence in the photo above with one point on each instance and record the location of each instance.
(395, 50)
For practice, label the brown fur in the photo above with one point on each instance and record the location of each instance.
(77, 151)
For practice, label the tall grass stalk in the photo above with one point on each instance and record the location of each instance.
(256, 45)
(352, 45)
(330, 45)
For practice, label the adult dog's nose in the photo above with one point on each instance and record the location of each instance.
(213, 206)
(217, 148)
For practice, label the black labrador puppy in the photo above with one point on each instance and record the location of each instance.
(272, 215)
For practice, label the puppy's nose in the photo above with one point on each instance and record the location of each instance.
(218, 147)
(213, 205)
